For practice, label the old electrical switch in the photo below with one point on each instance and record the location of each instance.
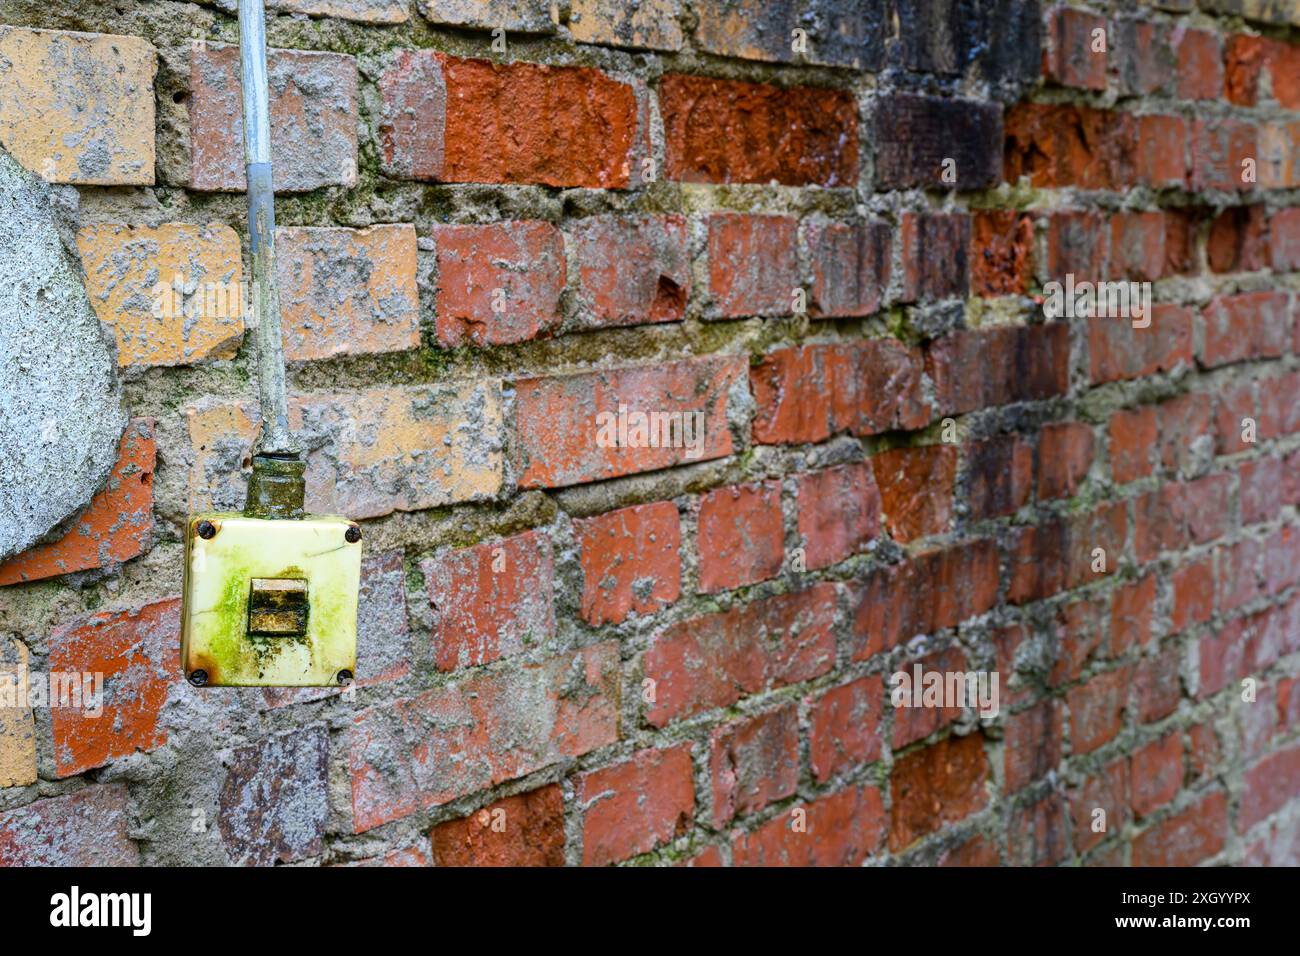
(270, 602)
(277, 606)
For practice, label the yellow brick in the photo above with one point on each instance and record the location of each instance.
(371, 452)
(17, 730)
(78, 107)
(171, 293)
(363, 11)
(652, 24)
(347, 291)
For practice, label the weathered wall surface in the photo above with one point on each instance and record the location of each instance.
(838, 255)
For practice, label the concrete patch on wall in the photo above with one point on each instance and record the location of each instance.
(60, 400)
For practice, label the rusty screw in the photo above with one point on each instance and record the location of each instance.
(199, 678)
(353, 534)
(207, 530)
(345, 678)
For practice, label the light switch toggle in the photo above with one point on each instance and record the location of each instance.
(278, 607)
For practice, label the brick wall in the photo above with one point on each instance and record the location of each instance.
(838, 257)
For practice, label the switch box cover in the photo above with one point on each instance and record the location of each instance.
(270, 603)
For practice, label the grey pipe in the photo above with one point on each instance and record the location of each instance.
(275, 438)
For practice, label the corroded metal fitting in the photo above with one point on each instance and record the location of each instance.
(276, 488)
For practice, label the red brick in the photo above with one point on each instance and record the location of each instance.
(1204, 752)
(509, 123)
(1250, 325)
(1071, 58)
(1281, 559)
(1241, 647)
(1130, 613)
(936, 786)
(714, 660)
(1158, 685)
(1200, 63)
(999, 477)
(1079, 639)
(1143, 59)
(926, 593)
(1078, 244)
(1238, 240)
(1181, 229)
(727, 131)
(1132, 437)
(420, 752)
(1001, 252)
(913, 723)
(1064, 457)
(980, 368)
(842, 829)
(1238, 582)
(490, 601)
(1193, 595)
(1219, 146)
(116, 526)
(1038, 832)
(1279, 166)
(498, 283)
(916, 489)
(523, 830)
(977, 851)
(1187, 837)
(1162, 152)
(313, 119)
(632, 807)
(1184, 422)
(839, 513)
(138, 655)
(808, 394)
(1284, 240)
(934, 250)
(844, 727)
(1156, 773)
(850, 267)
(1235, 403)
(85, 828)
(741, 537)
(1179, 515)
(631, 271)
(1097, 709)
(1268, 786)
(1279, 404)
(1247, 58)
(753, 762)
(753, 264)
(1057, 554)
(1262, 482)
(1137, 246)
(1032, 746)
(560, 439)
(631, 562)
(1106, 790)
(1062, 145)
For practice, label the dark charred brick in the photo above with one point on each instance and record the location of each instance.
(914, 135)
(275, 799)
(840, 32)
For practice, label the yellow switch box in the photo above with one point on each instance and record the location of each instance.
(270, 602)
